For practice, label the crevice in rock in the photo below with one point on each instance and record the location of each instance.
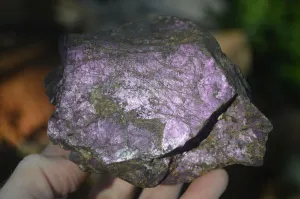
(203, 133)
(168, 171)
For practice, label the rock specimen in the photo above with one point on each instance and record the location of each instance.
(153, 102)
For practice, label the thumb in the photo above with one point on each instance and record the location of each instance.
(46, 176)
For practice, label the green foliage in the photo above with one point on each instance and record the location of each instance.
(274, 29)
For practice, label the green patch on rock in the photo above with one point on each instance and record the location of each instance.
(103, 104)
(255, 151)
(106, 107)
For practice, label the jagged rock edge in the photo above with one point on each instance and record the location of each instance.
(201, 135)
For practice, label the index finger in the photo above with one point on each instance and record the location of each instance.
(47, 175)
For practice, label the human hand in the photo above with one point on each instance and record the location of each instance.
(51, 175)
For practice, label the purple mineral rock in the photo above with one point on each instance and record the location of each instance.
(155, 101)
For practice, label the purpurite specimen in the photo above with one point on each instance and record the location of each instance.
(153, 102)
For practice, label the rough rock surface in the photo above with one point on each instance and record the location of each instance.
(155, 101)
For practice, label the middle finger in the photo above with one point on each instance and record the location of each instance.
(161, 191)
(119, 189)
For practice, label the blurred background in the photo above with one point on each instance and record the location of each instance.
(261, 36)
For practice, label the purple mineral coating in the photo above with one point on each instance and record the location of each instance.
(131, 102)
(236, 138)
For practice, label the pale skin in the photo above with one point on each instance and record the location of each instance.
(51, 175)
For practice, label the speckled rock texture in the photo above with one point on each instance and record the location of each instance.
(153, 102)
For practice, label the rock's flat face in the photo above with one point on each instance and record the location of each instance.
(155, 101)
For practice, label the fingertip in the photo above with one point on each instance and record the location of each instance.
(118, 189)
(219, 174)
(209, 186)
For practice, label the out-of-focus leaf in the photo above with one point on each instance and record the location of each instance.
(292, 73)
(253, 12)
(273, 27)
